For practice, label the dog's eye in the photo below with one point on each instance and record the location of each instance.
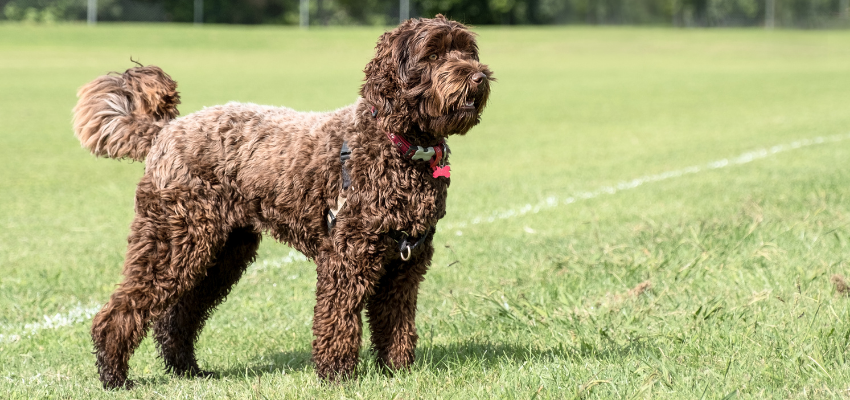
(432, 57)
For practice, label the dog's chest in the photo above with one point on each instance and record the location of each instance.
(401, 196)
(421, 203)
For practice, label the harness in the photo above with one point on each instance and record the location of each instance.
(435, 155)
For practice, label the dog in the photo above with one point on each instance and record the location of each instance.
(358, 190)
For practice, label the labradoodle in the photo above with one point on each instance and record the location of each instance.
(359, 190)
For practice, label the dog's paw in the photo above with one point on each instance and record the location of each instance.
(127, 384)
(196, 373)
(202, 374)
(337, 372)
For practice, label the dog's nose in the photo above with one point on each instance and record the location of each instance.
(478, 77)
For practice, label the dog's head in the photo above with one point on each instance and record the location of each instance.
(426, 81)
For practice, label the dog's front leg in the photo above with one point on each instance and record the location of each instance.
(391, 311)
(341, 288)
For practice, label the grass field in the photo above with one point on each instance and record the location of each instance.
(550, 279)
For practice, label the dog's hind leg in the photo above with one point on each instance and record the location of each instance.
(178, 329)
(391, 311)
(167, 255)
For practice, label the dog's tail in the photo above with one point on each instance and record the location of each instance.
(119, 115)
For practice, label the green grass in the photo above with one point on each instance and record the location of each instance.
(535, 306)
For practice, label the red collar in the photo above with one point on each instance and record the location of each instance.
(436, 155)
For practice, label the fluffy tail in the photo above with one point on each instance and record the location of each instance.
(118, 116)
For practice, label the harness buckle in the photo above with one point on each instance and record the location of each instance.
(405, 246)
(403, 257)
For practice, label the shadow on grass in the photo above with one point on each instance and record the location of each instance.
(273, 363)
(448, 357)
(435, 357)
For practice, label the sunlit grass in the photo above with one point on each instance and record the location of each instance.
(706, 285)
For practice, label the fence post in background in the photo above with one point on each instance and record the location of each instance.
(403, 10)
(304, 11)
(844, 9)
(199, 12)
(673, 4)
(769, 13)
(91, 15)
(320, 13)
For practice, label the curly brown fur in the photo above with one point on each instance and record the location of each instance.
(216, 179)
(178, 329)
(119, 116)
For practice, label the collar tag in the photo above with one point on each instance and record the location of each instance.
(423, 154)
(443, 171)
(438, 164)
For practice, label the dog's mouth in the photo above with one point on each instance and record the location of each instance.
(471, 103)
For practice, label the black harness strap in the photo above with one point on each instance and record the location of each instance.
(344, 155)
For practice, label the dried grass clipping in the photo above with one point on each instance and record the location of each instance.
(840, 285)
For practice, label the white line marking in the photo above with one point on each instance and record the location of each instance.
(80, 313)
(75, 315)
(554, 201)
(292, 257)
(84, 313)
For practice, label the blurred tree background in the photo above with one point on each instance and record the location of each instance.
(685, 13)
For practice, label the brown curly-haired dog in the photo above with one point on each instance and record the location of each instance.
(216, 179)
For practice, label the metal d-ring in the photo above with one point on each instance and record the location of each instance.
(408, 253)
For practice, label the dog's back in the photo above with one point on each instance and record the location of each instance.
(242, 144)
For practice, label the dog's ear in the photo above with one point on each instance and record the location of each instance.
(379, 84)
(388, 69)
(401, 47)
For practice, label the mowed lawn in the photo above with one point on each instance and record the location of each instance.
(551, 279)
